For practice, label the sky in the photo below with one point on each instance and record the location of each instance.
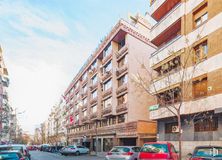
(45, 43)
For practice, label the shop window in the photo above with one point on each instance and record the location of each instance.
(200, 52)
(204, 125)
(122, 99)
(200, 87)
(200, 16)
(171, 127)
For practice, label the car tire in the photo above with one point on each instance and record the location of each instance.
(77, 153)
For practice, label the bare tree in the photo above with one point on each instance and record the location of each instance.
(177, 77)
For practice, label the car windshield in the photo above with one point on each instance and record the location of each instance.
(120, 149)
(9, 156)
(155, 148)
(208, 152)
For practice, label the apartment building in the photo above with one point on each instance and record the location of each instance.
(188, 32)
(5, 109)
(104, 106)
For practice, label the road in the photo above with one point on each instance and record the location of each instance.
(37, 155)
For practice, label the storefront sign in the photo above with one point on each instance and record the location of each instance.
(154, 107)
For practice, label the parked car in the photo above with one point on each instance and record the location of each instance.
(74, 150)
(123, 153)
(11, 155)
(207, 153)
(17, 148)
(23, 149)
(158, 150)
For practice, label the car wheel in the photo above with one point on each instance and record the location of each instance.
(77, 153)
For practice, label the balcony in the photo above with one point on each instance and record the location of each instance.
(92, 72)
(106, 75)
(93, 86)
(84, 81)
(168, 50)
(93, 101)
(83, 95)
(85, 120)
(84, 107)
(122, 70)
(122, 108)
(123, 51)
(159, 8)
(107, 111)
(94, 116)
(167, 21)
(107, 93)
(122, 89)
(77, 111)
(106, 59)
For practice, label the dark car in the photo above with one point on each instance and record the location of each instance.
(11, 155)
(158, 150)
(207, 153)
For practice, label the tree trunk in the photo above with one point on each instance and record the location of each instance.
(180, 136)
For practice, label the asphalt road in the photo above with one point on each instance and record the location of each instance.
(37, 155)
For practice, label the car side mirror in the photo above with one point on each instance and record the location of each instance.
(189, 154)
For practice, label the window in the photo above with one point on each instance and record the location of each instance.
(77, 85)
(169, 97)
(200, 16)
(121, 44)
(200, 52)
(84, 101)
(171, 127)
(122, 99)
(122, 118)
(84, 89)
(200, 87)
(122, 80)
(107, 85)
(94, 94)
(77, 117)
(107, 103)
(107, 50)
(122, 61)
(107, 67)
(94, 64)
(84, 76)
(77, 95)
(94, 80)
(94, 109)
(85, 113)
(204, 125)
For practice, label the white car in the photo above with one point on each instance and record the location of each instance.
(76, 150)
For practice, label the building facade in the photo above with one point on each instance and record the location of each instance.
(188, 34)
(104, 107)
(5, 109)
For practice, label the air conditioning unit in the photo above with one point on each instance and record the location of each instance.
(175, 129)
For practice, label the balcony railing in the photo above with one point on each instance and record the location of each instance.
(121, 89)
(121, 70)
(94, 115)
(93, 86)
(107, 92)
(107, 111)
(93, 101)
(121, 52)
(85, 120)
(83, 95)
(122, 108)
(106, 75)
(107, 58)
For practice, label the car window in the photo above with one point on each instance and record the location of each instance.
(136, 149)
(172, 148)
(6, 148)
(155, 148)
(120, 149)
(9, 156)
(208, 152)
